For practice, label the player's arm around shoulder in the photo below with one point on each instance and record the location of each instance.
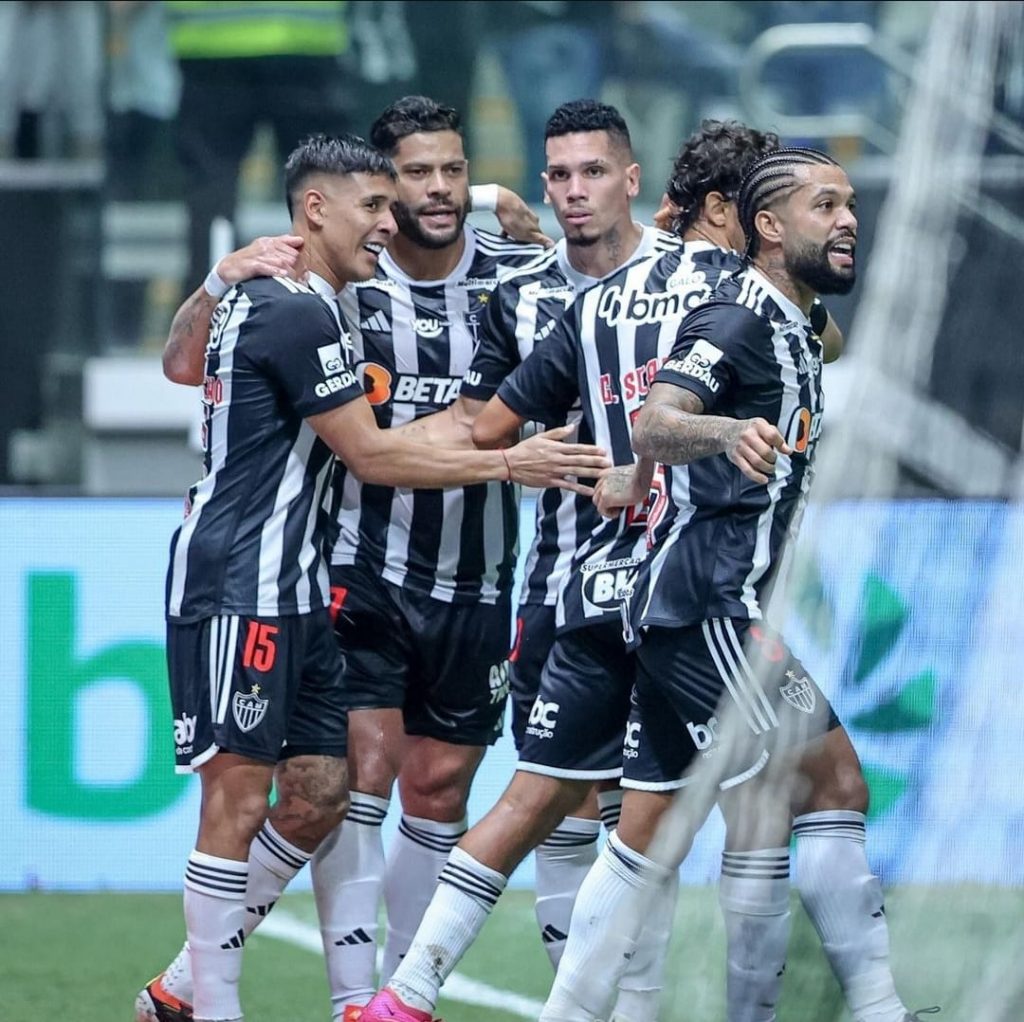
(184, 352)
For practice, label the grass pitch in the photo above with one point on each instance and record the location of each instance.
(84, 957)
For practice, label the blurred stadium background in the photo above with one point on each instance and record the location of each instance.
(906, 601)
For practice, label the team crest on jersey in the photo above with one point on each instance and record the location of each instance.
(249, 708)
(799, 693)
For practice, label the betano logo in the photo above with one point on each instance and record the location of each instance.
(58, 678)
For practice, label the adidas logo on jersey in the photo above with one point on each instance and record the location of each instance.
(545, 330)
(377, 323)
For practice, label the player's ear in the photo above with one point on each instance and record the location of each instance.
(544, 178)
(313, 203)
(633, 180)
(768, 225)
(714, 209)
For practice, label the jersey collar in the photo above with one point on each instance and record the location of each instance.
(395, 272)
(320, 286)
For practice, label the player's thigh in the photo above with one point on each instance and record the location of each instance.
(318, 725)
(577, 722)
(535, 635)
(234, 682)
(374, 639)
(459, 684)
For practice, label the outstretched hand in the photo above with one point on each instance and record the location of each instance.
(545, 460)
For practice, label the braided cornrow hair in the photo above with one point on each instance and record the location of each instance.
(714, 159)
(771, 178)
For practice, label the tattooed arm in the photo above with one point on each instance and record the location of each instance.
(672, 429)
(185, 351)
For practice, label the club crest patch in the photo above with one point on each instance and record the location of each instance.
(799, 693)
(249, 708)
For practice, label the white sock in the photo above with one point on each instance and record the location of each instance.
(214, 921)
(562, 862)
(348, 875)
(754, 895)
(466, 892)
(273, 862)
(640, 987)
(844, 901)
(602, 936)
(609, 806)
(418, 854)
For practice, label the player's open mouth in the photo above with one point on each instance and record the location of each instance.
(842, 252)
(374, 249)
(437, 215)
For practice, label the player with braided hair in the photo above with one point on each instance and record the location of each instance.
(715, 687)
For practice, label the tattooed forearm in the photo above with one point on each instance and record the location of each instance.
(185, 350)
(675, 437)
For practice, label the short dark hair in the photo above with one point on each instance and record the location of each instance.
(715, 158)
(409, 115)
(588, 115)
(331, 154)
(773, 177)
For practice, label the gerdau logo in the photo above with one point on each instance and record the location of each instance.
(57, 680)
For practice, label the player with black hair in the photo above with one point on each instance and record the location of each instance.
(715, 687)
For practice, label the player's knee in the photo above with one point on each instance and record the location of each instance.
(436, 793)
(312, 798)
(235, 826)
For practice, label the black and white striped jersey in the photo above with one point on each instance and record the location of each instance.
(523, 312)
(413, 342)
(252, 540)
(606, 351)
(716, 536)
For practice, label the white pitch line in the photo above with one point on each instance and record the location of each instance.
(284, 927)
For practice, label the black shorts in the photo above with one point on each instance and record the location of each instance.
(445, 665)
(691, 680)
(265, 688)
(578, 720)
(535, 635)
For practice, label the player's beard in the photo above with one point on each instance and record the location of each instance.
(809, 264)
(409, 224)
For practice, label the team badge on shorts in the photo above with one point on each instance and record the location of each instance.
(249, 709)
(799, 693)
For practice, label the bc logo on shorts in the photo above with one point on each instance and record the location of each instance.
(249, 709)
(799, 693)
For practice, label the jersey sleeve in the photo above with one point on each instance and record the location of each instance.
(546, 385)
(715, 345)
(299, 342)
(497, 350)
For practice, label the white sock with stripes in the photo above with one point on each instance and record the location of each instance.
(273, 862)
(602, 937)
(348, 875)
(214, 920)
(754, 895)
(562, 862)
(418, 854)
(466, 893)
(844, 901)
(640, 987)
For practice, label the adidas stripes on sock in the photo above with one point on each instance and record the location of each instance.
(417, 856)
(467, 890)
(844, 901)
(214, 920)
(562, 861)
(754, 895)
(348, 877)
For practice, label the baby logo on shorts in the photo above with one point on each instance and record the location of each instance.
(799, 693)
(249, 709)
